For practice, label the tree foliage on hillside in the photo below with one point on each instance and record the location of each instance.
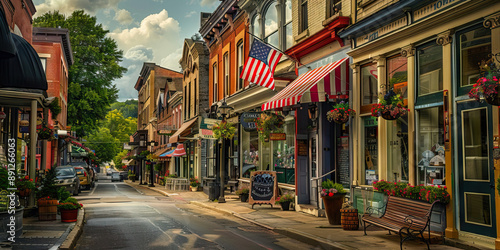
(127, 108)
(96, 59)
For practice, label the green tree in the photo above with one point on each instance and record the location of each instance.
(119, 157)
(127, 108)
(96, 65)
(120, 128)
(104, 144)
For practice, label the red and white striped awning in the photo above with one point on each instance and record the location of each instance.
(179, 151)
(314, 86)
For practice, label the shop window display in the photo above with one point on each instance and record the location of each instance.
(397, 150)
(250, 149)
(284, 154)
(430, 69)
(370, 135)
(430, 151)
(369, 93)
(397, 74)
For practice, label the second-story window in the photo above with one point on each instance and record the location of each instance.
(288, 25)
(239, 65)
(189, 102)
(303, 16)
(333, 7)
(271, 35)
(195, 97)
(226, 74)
(215, 81)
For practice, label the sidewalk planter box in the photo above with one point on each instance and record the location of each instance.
(69, 215)
(47, 209)
(333, 204)
(349, 219)
(5, 219)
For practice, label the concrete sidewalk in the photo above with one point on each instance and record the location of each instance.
(304, 227)
(48, 234)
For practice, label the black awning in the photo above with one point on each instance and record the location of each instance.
(24, 70)
(7, 47)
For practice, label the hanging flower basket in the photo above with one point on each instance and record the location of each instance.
(390, 106)
(488, 86)
(45, 133)
(268, 124)
(340, 113)
(224, 130)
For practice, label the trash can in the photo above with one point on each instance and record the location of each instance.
(213, 191)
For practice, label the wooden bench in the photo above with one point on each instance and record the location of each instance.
(408, 218)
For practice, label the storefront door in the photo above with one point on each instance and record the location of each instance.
(313, 167)
(475, 169)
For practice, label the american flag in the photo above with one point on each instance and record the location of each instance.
(260, 65)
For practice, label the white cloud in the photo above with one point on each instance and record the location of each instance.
(172, 61)
(139, 53)
(190, 14)
(208, 2)
(68, 6)
(123, 17)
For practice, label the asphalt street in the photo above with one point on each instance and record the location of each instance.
(121, 217)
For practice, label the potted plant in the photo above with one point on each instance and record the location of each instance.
(224, 130)
(131, 176)
(45, 133)
(390, 106)
(243, 193)
(194, 183)
(422, 192)
(24, 186)
(340, 113)
(488, 85)
(269, 123)
(47, 197)
(333, 195)
(285, 200)
(69, 209)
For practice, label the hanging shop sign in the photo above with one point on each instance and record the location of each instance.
(24, 126)
(206, 125)
(248, 121)
(277, 136)
(263, 188)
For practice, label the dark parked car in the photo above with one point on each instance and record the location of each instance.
(87, 168)
(66, 177)
(123, 175)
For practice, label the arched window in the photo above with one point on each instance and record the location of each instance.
(226, 74)
(271, 34)
(256, 26)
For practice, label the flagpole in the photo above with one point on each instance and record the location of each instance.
(291, 58)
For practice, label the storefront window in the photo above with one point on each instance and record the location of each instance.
(369, 84)
(397, 150)
(430, 69)
(369, 172)
(475, 45)
(397, 74)
(234, 153)
(211, 158)
(284, 154)
(250, 150)
(430, 150)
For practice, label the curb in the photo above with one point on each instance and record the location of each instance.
(300, 236)
(75, 233)
(152, 189)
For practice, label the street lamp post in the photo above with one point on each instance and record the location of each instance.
(151, 178)
(223, 110)
(141, 157)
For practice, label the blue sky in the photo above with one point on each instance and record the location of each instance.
(146, 30)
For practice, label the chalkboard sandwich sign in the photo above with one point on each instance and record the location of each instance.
(263, 187)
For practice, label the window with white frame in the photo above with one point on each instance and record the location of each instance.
(239, 64)
(271, 34)
(216, 84)
(274, 26)
(226, 74)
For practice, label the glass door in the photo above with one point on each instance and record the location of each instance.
(313, 167)
(475, 169)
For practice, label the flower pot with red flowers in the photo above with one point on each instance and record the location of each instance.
(45, 133)
(269, 123)
(285, 200)
(24, 186)
(340, 113)
(333, 195)
(224, 130)
(194, 184)
(488, 85)
(390, 106)
(69, 209)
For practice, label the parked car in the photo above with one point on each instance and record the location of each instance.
(123, 175)
(66, 177)
(109, 171)
(85, 178)
(87, 168)
(115, 176)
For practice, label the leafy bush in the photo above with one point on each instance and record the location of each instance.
(329, 184)
(48, 187)
(63, 194)
(242, 191)
(193, 182)
(25, 183)
(70, 203)
(287, 197)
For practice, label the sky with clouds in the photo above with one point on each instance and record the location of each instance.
(146, 30)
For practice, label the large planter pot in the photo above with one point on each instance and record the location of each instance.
(24, 192)
(494, 99)
(244, 197)
(285, 206)
(333, 204)
(47, 209)
(69, 215)
(349, 219)
(6, 230)
(194, 189)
